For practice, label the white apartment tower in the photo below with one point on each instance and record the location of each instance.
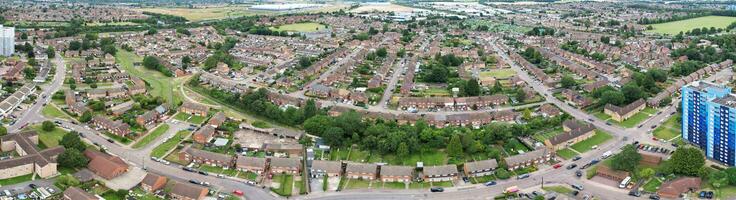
(7, 40)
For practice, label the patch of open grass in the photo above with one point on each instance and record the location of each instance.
(586, 145)
(49, 138)
(566, 153)
(357, 184)
(499, 73)
(160, 85)
(559, 189)
(652, 185)
(16, 180)
(151, 136)
(442, 184)
(285, 184)
(162, 149)
(394, 185)
(182, 116)
(197, 119)
(418, 185)
(300, 27)
(669, 129)
(675, 27)
(53, 112)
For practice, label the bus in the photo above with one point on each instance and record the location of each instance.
(624, 182)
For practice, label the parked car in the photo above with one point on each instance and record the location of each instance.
(635, 193)
(437, 189)
(33, 186)
(490, 183)
(558, 165)
(238, 192)
(466, 180)
(523, 176)
(577, 158)
(111, 141)
(654, 197)
(572, 166)
(577, 186)
(578, 173)
(203, 173)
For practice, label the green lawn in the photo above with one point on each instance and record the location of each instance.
(285, 184)
(673, 28)
(558, 189)
(357, 184)
(197, 119)
(431, 158)
(566, 153)
(442, 184)
(544, 135)
(599, 138)
(182, 116)
(260, 124)
(418, 185)
(638, 117)
(499, 73)
(49, 139)
(482, 179)
(161, 150)
(248, 175)
(151, 136)
(393, 185)
(16, 180)
(52, 111)
(669, 129)
(300, 27)
(118, 138)
(160, 85)
(652, 185)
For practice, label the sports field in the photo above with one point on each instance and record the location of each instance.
(673, 28)
(300, 27)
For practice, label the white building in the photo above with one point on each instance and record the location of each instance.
(7, 40)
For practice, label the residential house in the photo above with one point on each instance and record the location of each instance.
(538, 156)
(440, 173)
(194, 109)
(622, 113)
(251, 164)
(75, 193)
(549, 110)
(188, 191)
(30, 159)
(217, 119)
(190, 154)
(115, 127)
(148, 118)
(322, 168)
(393, 173)
(361, 171)
(105, 165)
(672, 189)
(285, 165)
(204, 134)
(573, 132)
(480, 168)
(153, 182)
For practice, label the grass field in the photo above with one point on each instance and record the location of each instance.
(196, 119)
(53, 112)
(652, 185)
(182, 116)
(586, 145)
(499, 73)
(558, 189)
(669, 129)
(544, 135)
(17, 179)
(631, 121)
(161, 85)
(285, 184)
(566, 153)
(161, 150)
(300, 27)
(673, 28)
(111, 24)
(357, 184)
(210, 13)
(51, 138)
(151, 136)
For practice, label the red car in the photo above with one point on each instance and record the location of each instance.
(557, 166)
(238, 192)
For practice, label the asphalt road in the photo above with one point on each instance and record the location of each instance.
(32, 114)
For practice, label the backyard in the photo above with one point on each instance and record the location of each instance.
(631, 121)
(499, 73)
(285, 183)
(675, 27)
(586, 145)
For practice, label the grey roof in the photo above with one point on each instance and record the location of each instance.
(244, 161)
(575, 131)
(440, 170)
(327, 166)
(207, 154)
(627, 108)
(525, 157)
(393, 170)
(481, 165)
(285, 162)
(188, 190)
(361, 168)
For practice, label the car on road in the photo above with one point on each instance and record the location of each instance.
(653, 126)
(189, 169)
(33, 186)
(558, 165)
(437, 189)
(578, 173)
(654, 197)
(608, 123)
(635, 193)
(574, 193)
(466, 180)
(194, 181)
(577, 186)
(640, 126)
(577, 158)
(203, 173)
(590, 119)
(238, 192)
(490, 183)
(523, 176)
(111, 141)
(572, 166)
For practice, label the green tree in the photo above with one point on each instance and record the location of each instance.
(502, 174)
(50, 52)
(3, 130)
(72, 158)
(627, 159)
(687, 161)
(86, 117)
(718, 179)
(613, 97)
(71, 140)
(48, 126)
(455, 147)
(65, 181)
(381, 52)
(403, 150)
(646, 173)
(472, 88)
(731, 171)
(568, 82)
(310, 109)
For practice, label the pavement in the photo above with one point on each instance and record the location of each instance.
(32, 114)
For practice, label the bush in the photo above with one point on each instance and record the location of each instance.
(48, 126)
(503, 174)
